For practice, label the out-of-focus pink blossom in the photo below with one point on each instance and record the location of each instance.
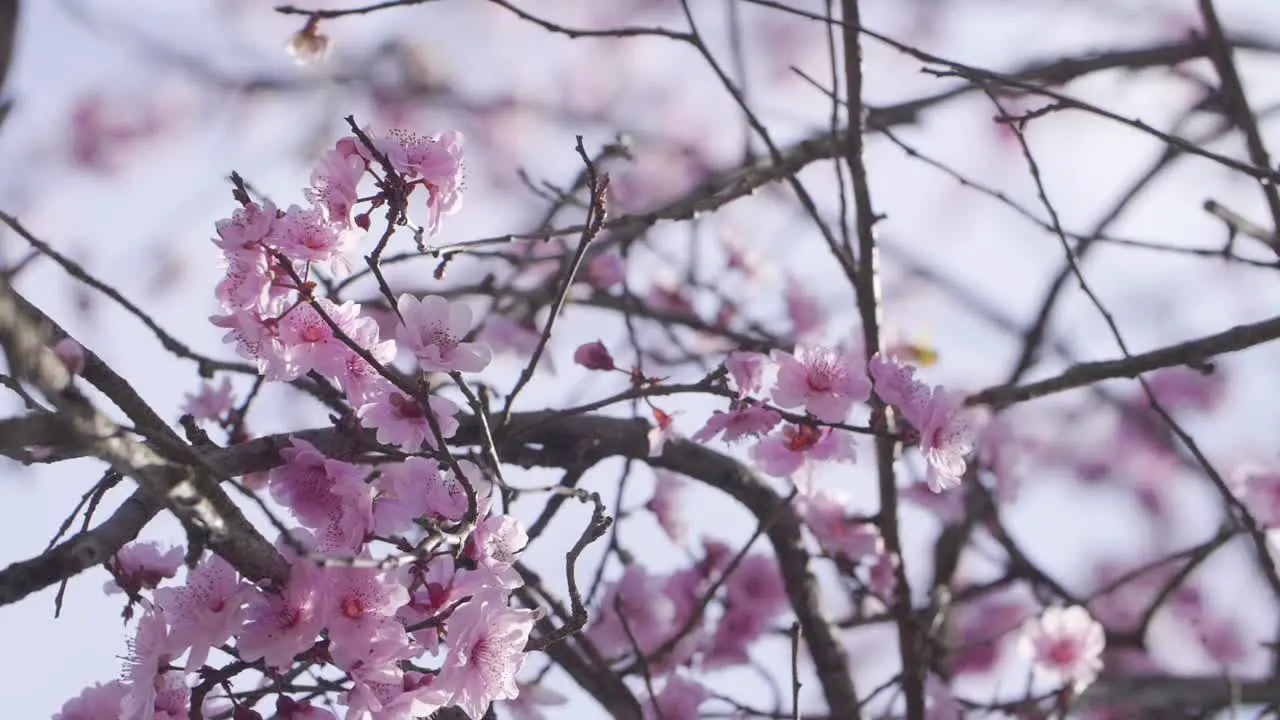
(649, 614)
(746, 420)
(96, 702)
(826, 513)
(1066, 645)
(679, 700)
(533, 696)
(209, 403)
(605, 270)
(1259, 490)
(747, 371)
(665, 505)
(141, 565)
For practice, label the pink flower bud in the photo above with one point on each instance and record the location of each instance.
(594, 356)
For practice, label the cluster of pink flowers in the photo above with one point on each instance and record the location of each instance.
(447, 594)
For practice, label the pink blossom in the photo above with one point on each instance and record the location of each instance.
(209, 403)
(679, 700)
(257, 340)
(1182, 387)
(747, 371)
(433, 331)
(141, 565)
(756, 585)
(308, 482)
(649, 613)
(736, 631)
(947, 434)
(245, 283)
(826, 513)
(205, 611)
(826, 382)
(278, 626)
(149, 654)
(486, 651)
(979, 630)
(665, 505)
(1223, 640)
(416, 695)
(594, 356)
(360, 380)
(244, 232)
(71, 354)
(173, 697)
(375, 654)
(805, 312)
(532, 695)
(745, 420)
(785, 452)
(505, 335)
(1066, 645)
(96, 702)
(436, 161)
(334, 181)
(896, 383)
(311, 344)
(417, 488)
(605, 270)
(494, 545)
(357, 600)
(1259, 490)
(400, 420)
(306, 235)
(947, 507)
(434, 591)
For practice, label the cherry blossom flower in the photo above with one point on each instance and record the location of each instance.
(486, 651)
(747, 371)
(435, 161)
(604, 270)
(594, 356)
(374, 655)
(204, 612)
(334, 181)
(736, 630)
(882, 578)
(357, 599)
(308, 236)
(665, 505)
(141, 565)
(1259, 490)
(278, 626)
(209, 403)
(785, 452)
(825, 381)
(896, 384)
(532, 696)
(505, 335)
(173, 697)
(979, 631)
(805, 312)
(494, 545)
(400, 420)
(745, 420)
(414, 696)
(433, 330)
(96, 702)
(826, 513)
(149, 654)
(308, 483)
(1066, 645)
(244, 232)
(649, 613)
(679, 700)
(756, 585)
(310, 342)
(948, 431)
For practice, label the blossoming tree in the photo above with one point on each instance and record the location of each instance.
(626, 455)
